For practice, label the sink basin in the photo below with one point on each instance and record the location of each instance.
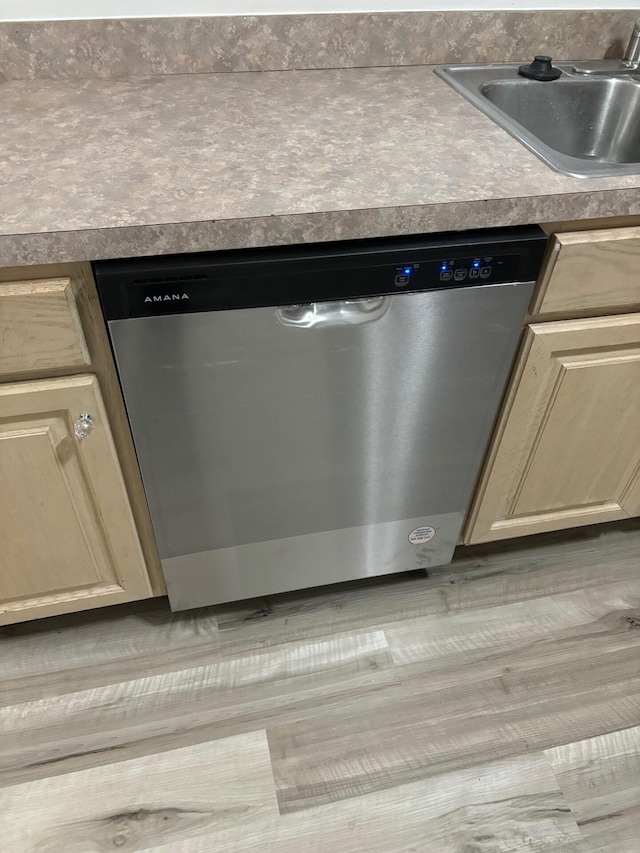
(581, 126)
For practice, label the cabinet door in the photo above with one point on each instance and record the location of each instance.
(566, 450)
(67, 536)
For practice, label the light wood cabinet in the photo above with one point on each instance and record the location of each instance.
(566, 451)
(566, 448)
(67, 535)
(75, 531)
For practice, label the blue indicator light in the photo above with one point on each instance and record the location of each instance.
(476, 264)
(443, 267)
(407, 270)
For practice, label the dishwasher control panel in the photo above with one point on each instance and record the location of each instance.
(453, 272)
(323, 272)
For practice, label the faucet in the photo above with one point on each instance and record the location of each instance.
(631, 58)
(629, 64)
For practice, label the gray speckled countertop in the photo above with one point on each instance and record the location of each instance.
(112, 168)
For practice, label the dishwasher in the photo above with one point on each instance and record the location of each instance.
(313, 414)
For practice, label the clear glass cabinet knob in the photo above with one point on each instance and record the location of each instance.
(84, 425)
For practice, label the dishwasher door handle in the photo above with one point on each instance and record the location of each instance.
(327, 315)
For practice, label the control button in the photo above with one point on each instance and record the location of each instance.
(485, 272)
(474, 273)
(401, 280)
(446, 275)
(460, 275)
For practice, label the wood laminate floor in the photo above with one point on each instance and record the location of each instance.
(492, 707)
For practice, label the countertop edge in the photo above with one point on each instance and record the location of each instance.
(323, 226)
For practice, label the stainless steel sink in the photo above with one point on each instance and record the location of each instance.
(579, 125)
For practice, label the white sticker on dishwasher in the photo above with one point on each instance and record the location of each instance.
(421, 535)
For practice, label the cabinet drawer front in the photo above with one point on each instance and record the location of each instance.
(591, 271)
(40, 328)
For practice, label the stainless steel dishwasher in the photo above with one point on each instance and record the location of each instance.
(307, 415)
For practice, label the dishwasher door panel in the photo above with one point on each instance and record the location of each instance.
(249, 431)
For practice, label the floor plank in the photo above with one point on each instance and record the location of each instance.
(621, 840)
(145, 803)
(464, 636)
(509, 806)
(71, 731)
(437, 722)
(67, 653)
(601, 779)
